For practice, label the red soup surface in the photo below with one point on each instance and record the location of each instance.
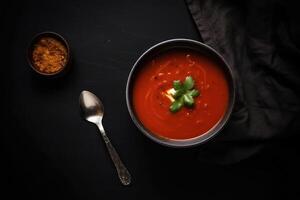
(156, 77)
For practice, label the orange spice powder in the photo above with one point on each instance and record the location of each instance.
(49, 55)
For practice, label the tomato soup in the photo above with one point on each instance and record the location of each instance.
(151, 105)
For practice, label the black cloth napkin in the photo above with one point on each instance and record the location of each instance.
(260, 40)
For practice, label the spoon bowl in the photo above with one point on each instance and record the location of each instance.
(92, 108)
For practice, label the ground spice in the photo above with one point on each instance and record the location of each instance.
(49, 55)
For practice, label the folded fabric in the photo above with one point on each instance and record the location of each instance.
(260, 41)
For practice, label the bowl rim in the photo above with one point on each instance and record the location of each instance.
(182, 143)
(30, 49)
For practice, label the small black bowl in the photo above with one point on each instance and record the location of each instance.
(58, 37)
(189, 45)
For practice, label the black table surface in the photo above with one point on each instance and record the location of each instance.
(50, 152)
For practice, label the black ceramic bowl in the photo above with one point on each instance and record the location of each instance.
(180, 44)
(58, 37)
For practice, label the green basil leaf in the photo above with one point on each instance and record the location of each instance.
(184, 94)
(177, 85)
(178, 93)
(194, 93)
(176, 105)
(188, 83)
(188, 100)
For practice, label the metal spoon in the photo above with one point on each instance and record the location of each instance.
(92, 110)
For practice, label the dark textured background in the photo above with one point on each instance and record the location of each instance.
(49, 152)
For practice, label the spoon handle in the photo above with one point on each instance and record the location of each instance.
(122, 171)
